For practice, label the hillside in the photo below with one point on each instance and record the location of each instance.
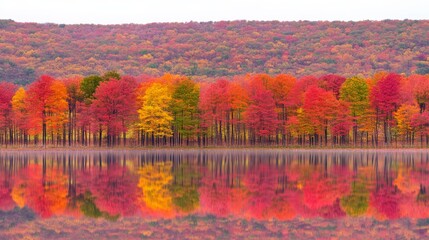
(213, 49)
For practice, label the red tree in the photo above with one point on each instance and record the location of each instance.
(296, 95)
(321, 108)
(215, 107)
(261, 116)
(7, 90)
(114, 106)
(46, 101)
(385, 99)
(332, 82)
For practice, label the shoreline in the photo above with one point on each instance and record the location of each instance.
(210, 149)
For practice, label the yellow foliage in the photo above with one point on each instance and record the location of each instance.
(154, 182)
(404, 116)
(154, 114)
(18, 103)
(17, 194)
(403, 181)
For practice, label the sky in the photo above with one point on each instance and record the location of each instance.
(143, 11)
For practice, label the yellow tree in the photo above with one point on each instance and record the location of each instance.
(20, 113)
(404, 117)
(154, 115)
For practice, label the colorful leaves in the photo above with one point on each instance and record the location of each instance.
(155, 117)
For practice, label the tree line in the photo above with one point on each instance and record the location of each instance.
(386, 109)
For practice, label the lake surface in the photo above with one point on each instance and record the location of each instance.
(214, 194)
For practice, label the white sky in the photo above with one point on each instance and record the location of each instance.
(147, 11)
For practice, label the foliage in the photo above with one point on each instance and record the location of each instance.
(155, 117)
(213, 49)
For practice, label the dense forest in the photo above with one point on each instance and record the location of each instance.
(213, 49)
(386, 109)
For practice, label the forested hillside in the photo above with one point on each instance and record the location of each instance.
(212, 49)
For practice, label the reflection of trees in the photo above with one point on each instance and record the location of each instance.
(154, 181)
(356, 203)
(42, 189)
(261, 183)
(6, 201)
(242, 184)
(386, 202)
(114, 190)
(268, 193)
(321, 191)
(89, 208)
(222, 192)
(184, 188)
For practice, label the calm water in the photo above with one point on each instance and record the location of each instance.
(180, 189)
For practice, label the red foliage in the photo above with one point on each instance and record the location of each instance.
(115, 190)
(114, 104)
(6, 201)
(215, 102)
(261, 115)
(321, 107)
(385, 95)
(296, 95)
(343, 121)
(386, 201)
(332, 82)
(7, 90)
(261, 183)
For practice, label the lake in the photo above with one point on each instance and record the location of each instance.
(214, 194)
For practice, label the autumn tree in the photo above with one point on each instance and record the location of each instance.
(420, 89)
(7, 91)
(239, 98)
(332, 82)
(155, 117)
(404, 118)
(420, 123)
(215, 107)
(184, 106)
(20, 114)
(385, 98)
(48, 100)
(114, 107)
(342, 123)
(74, 96)
(355, 91)
(110, 75)
(89, 85)
(321, 107)
(261, 117)
(281, 86)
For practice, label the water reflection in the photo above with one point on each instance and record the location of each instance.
(245, 184)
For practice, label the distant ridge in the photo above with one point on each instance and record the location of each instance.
(213, 49)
